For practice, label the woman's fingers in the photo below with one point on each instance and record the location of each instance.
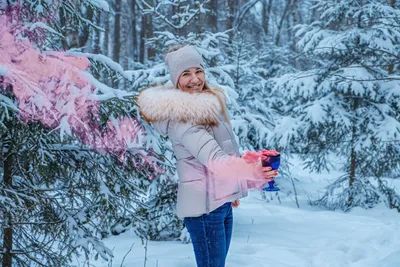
(261, 172)
(270, 174)
(236, 203)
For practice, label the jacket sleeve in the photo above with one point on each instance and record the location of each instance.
(202, 145)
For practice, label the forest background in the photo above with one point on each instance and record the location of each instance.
(314, 79)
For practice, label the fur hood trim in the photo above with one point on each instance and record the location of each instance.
(162, 103)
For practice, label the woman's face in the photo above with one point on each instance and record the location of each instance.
(192, 80)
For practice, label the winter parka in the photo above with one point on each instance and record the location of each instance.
(196, 125)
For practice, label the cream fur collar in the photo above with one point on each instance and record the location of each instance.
(162, 103)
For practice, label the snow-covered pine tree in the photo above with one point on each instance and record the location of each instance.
(72, 163)
(347, 102)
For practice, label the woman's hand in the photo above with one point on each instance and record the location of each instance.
(266, 173)
(236, 203)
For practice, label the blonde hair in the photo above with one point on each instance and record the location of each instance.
(220, 94)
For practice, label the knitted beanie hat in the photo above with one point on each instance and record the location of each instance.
(182, 59)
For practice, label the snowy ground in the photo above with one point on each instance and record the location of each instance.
(267, 233)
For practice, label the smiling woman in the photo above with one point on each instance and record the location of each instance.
(192, 80)
(185, 63)
(193, 116)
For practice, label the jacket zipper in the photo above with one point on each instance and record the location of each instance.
(207, 192)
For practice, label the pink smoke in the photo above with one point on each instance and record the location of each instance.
(254, 158)
(240, 168)
(31, 25)
(52, 88)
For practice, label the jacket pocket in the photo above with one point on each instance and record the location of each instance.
(225, 188)
(191, 198)
(190, 169)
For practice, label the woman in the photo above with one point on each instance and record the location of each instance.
(212, 176)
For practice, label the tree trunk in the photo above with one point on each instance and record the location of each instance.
(83, 34)
(212, 19)
(175, 10)
(125, 32)
(266, 15)
(353, 165)
(295, 20)
(285, 13)
(149, 34)
(106, 34)
(146, 33)
(391, 69)
(288, 28)
(8, 232)
(353, 156)
(391, 66)
(63, 25)
(353, 153)
(117, 27)
(96, 36)
(116, 48)
(134, 31)
(142, 40)
(232, 9)
(221, 15)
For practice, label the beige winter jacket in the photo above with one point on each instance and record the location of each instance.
(195, 124)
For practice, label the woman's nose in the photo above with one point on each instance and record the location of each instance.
(194, 78)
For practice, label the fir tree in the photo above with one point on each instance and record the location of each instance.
(347, 103)
(73, 161)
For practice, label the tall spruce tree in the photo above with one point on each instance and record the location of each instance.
(347, 103)
(72, 166)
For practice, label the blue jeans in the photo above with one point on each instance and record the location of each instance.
(211, 236)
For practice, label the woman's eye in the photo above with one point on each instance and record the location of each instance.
(184, 74)
(199, 71)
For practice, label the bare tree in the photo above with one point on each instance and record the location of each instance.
(266, 15)
(244, 9)
(8, 231)
(125, 31)
(288, 6)
(212, 16)
(116, 47)
(106, 25)
(95, 49)
(133, 25)
(84, 33)
(146, 32)
(117, 34)
(231, 13)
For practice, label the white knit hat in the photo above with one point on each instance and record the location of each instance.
(182, 59)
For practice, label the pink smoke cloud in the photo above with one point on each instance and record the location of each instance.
(240, 168)
(228, 170)
(54, 89)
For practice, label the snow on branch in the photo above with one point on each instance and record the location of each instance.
(105, 61)
(185, 17)
(101, 4)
